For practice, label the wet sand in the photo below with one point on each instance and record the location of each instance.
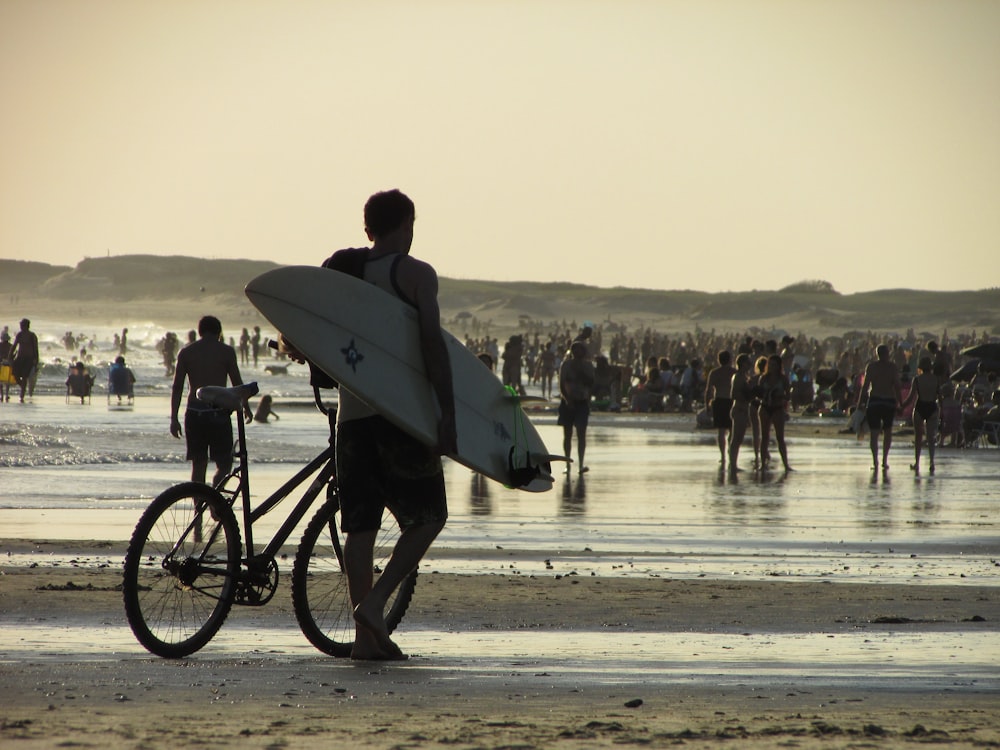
(510, 660)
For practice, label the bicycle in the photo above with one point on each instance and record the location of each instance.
(185, 566)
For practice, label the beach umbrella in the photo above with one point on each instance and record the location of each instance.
(983, 351)
(968, 371)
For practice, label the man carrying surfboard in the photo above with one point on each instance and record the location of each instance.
(378, 465)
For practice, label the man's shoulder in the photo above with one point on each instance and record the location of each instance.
(350, 260)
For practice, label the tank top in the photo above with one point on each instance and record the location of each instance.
(382, 273)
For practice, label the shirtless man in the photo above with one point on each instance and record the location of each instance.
(884, 392)
(207, 361)
(719, 398)
(25, 355)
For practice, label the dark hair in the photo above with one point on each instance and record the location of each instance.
(209, 324)
(385, 212)
(725, 357)
(774, 365)
(742, 360)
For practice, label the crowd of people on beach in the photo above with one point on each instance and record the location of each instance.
(647, 371)
(768, 375)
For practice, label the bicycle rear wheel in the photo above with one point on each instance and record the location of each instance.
(320, 596)
(181, 570)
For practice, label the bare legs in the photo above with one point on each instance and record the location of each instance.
(755, 428)
(581, 446)
(920, 428)
(371, 638)
(767, 419)
(886, 445)
(723, 442)
(740, 418)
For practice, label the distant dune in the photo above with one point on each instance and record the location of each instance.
(176, 290)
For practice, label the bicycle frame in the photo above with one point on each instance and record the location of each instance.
(241, 471)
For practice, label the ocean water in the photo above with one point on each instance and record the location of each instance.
(653, 503)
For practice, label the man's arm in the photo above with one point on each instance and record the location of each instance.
(180, 375)
(436, 361)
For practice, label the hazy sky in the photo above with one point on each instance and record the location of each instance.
(692, 144)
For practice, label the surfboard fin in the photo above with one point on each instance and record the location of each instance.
(516, 397)
(524, 475)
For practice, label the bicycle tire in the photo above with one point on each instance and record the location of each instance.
(175, 603)
(320, 596)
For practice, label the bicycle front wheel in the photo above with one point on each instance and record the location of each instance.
(181, 570)
(320, 596)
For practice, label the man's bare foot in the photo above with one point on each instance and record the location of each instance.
(374, 642)
(362, 653)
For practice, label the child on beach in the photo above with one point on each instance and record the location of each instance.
(264, 410)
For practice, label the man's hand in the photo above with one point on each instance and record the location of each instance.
(287, 348)
(175, 427)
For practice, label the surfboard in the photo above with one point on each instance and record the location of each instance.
(369, 342)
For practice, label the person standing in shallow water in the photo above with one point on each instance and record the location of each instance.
(576, 384)
(883, 390)
(773, 389)
(742, 392)
(209, 431)
(925, 391)
(25, 354)
(719, 400)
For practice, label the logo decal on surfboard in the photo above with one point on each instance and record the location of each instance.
(500, 430)
(352, 356)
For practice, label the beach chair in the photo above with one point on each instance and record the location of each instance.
(120, 385)
(79, 384)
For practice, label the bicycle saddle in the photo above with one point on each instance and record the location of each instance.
(229, 399)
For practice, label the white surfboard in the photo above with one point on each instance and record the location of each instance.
(368, 341)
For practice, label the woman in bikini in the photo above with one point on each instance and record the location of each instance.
(773, 402)
(925, 391)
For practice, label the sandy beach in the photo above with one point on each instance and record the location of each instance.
(264, 687)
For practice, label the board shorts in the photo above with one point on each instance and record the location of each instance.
(209, 434)
(881, 413)
(379, 466)
(574, 414)
(722, 413)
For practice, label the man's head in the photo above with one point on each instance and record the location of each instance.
(725, 357)
(578, 350)
(882, 351)
(209, 326)
(386, 212)
(25, 324)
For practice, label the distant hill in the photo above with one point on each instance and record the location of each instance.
(182, 287)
